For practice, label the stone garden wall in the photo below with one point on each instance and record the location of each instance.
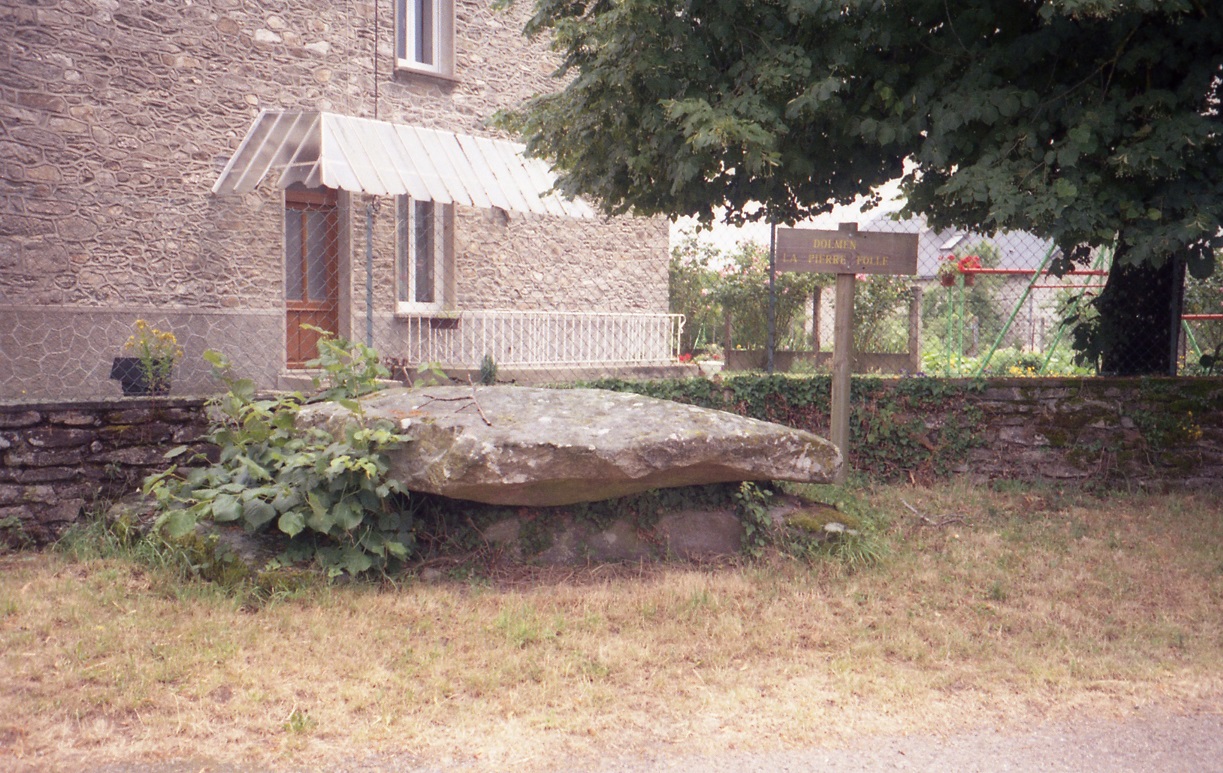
(1138, 432)
(59, 458)
(1152, 433)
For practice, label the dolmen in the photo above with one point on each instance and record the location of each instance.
(511, 445)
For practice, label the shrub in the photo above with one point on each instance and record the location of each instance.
(329, 496)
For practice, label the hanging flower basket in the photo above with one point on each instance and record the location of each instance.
(948, 280)
(951, 267)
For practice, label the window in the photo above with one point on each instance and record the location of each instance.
(424, 36)
(424, 253)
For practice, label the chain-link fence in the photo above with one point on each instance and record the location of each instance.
(492, 296)
(141, 286)
(978, 306)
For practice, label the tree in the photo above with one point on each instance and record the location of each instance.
(1089, 122)
(691, 291)
(708, 284)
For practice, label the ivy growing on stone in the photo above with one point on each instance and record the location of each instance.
(913, 427)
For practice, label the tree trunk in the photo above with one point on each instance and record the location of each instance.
(1140, 309)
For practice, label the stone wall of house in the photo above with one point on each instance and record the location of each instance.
(600, 264)
(1152, 433)
(118, 116)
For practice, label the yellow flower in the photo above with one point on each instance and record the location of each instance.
(157, 350)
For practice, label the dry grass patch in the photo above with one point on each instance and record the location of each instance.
(1037, 605)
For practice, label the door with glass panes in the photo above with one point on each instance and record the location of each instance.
(311, 271)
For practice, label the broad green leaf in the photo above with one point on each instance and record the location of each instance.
(355, 561)
(320, 518)
(291, 523)
(347, 515)
(258, 512)
(225, 508)
(286, 500)
(179, 523)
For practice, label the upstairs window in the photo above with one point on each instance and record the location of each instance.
(424, 255)
(424, 36)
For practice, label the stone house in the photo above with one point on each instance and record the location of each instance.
(222, 170)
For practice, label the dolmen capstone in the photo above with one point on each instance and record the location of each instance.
(509, 445)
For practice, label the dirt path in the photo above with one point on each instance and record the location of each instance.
(1152, 740)
(1144, 743)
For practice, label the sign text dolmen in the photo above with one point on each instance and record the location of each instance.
(846, 252)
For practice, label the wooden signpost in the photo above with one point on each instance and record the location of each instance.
(845, 252)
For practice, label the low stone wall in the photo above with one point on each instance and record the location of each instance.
(58, 458)
(1146, 432)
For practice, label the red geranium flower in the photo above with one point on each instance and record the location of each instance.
(968, 263)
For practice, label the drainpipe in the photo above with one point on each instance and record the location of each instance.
(369, 273)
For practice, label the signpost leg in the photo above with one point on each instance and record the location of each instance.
(842, 358)
(844, 252)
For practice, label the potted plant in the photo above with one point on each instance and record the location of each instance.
(151, 356)
(950, 267)
(709, 360)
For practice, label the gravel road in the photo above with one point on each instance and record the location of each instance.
(1147, 742)
(1142, 744)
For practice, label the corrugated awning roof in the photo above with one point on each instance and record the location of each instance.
(360, 155)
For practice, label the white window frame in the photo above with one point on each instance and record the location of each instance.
(442, 258)
(413, 50)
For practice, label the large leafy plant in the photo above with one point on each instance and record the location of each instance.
(743, 292)
(330, 496)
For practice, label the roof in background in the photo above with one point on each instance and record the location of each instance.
(1016, 249)
(361, 155)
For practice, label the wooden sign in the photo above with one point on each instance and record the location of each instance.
(846, 252)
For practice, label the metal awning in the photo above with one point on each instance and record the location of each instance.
(360, 155)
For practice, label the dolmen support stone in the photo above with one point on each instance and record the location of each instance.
(510, 445)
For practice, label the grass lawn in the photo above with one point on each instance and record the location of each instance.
(992, 607)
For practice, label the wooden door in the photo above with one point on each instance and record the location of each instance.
(312, 295)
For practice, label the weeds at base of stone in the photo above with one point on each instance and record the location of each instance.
(13, 535)
(861, 542)
(194, 558)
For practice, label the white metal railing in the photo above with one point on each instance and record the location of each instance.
(461, 339)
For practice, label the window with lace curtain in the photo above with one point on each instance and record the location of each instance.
(424, 254)
(424, 36)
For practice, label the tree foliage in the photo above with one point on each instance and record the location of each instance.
(1088, 122)
(1077, 120)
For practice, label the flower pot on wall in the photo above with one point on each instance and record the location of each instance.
(134, 380)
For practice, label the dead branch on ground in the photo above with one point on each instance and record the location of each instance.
(935, 522)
